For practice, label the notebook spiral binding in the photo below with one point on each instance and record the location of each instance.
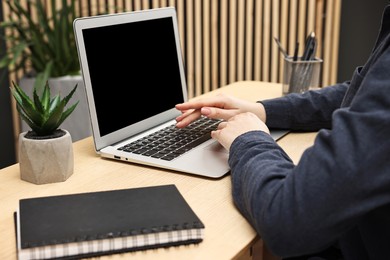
(125, 241)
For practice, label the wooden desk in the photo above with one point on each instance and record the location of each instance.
(227, 235)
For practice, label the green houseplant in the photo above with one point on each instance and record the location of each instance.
(45, 152)
(39, 33)
(37, 42)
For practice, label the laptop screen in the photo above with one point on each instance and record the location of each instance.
(134, 71)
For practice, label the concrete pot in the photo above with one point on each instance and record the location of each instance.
(46, 160)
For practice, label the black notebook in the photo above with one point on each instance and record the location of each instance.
(107, 222)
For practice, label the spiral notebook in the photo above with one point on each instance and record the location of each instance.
(106, 222)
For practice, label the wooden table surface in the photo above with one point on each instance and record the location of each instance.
(227, 235)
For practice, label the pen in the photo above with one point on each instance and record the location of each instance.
(295, 58)
(282, 50)
(309, 46)
(313, 49)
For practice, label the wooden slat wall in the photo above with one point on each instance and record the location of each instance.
(231, 40)
(224, 41)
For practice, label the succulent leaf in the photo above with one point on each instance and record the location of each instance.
(44, 115)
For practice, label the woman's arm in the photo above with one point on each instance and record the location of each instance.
(310, 111)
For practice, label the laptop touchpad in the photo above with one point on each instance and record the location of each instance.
(216, 147)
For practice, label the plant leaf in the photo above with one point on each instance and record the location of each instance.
(24, 102)
(54, 118)
(69, 96)
(67, 113)
(42, 78)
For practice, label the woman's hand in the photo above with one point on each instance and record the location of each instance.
(237, 125)
(220, 106)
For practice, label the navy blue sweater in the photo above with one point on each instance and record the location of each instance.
(339, 192)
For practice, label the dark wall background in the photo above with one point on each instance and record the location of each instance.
(7, 143)
(360, 22)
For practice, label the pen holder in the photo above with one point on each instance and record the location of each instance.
(301, 75)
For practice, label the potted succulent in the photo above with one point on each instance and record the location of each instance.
(48, 38)
(45, 151)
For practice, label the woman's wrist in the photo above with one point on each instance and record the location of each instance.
(260, 111)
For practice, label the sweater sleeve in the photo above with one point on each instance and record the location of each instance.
(304, 208)
(309, 111)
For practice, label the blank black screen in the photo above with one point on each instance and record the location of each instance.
(134, 70)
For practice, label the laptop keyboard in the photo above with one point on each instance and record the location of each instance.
(171, 142)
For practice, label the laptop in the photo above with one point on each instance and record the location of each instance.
(134, 76)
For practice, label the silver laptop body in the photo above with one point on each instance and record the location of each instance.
(133, 70)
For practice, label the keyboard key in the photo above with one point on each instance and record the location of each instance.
(171, 142)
